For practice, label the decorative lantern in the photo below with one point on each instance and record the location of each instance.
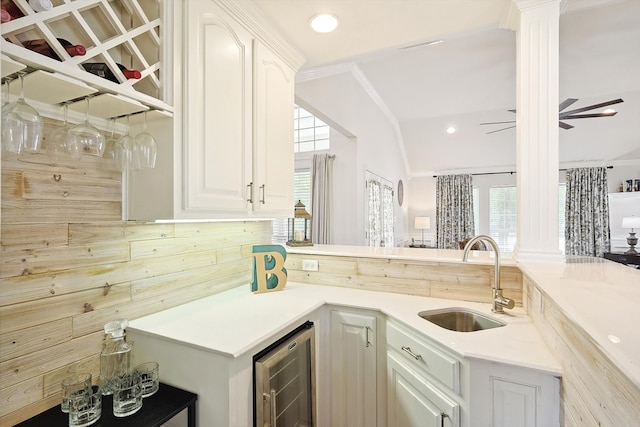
(299, 232)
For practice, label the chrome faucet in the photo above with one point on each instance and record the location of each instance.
(499, 301)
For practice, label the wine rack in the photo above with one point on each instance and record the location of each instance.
(126, 32)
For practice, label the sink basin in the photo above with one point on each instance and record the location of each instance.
(461, 319)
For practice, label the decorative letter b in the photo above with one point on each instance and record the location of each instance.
(269, 273)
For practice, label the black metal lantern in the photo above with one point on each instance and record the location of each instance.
(299, 230)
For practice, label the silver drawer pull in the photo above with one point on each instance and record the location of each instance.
(443, 415)
(411, 353)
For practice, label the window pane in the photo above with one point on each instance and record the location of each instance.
(306, 146)
(322, 144)
(503, 216)
(302, 192)
(476, 210)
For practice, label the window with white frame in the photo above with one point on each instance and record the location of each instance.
(503, 216)
(309, 132)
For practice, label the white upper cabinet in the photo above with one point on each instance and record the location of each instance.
(233, 121)
(273, 143)
(217, 130)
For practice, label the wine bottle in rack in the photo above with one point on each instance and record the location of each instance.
(13, 11)
(5, 16)
(42, 47)
(101, 69)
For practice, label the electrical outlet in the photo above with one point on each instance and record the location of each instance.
(537, 298)
(310, 265)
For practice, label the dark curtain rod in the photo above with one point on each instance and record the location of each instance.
(510, 172)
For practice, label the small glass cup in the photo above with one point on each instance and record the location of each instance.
(73, 386)
(85, 410)
(127, 396)
(149, 375)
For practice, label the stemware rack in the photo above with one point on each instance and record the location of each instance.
(127, 32)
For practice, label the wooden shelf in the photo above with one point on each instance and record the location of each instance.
(107, 105)
(9, 66)
(51, 88)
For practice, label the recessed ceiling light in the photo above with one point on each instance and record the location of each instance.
(451, 130)
(324, 23)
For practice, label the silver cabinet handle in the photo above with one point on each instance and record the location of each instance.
(250, 188)
(443, 415)
(271, 397)
(262, 190)
(367, 329)
(411, 353)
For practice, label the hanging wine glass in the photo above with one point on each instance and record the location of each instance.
(12, 126)
(86, 136)
(32, 125)
(110, 147)
(146, 148)
(122, 150)
(56, 142)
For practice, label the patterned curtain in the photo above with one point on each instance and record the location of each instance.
(387, 213)
(586, 229)
(322, 198)
(374, 220)
(454, 210)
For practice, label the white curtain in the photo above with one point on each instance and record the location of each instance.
(322, 198)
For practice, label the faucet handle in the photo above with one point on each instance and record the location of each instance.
(504, 301)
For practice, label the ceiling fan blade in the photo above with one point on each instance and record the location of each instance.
(566, 103)
(591, 107)
(511, 111)
(564, 125)
(588, 116)
(499, 130)
(498, 123)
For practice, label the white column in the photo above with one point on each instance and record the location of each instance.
(537, 130)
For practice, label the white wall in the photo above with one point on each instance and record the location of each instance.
(374, 147)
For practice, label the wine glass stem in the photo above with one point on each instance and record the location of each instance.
(21, 76)
(86, 109)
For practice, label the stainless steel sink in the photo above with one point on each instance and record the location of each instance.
(461, 319)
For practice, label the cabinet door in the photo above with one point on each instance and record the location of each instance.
(353, 370)
(217, 132)
(415, 402)
(273, 147)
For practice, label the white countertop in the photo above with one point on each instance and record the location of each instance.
(603, 298)
(412, 254)
(234, 322)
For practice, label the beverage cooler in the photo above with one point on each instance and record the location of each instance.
(284, 381)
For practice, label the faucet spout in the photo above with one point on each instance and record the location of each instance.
(499, 301)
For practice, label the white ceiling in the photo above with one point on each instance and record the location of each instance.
(470, 77)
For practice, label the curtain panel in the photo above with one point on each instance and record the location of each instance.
(587, 212)
(454, 210)
(322, 198)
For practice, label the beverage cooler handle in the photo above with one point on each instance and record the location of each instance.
(272, 400)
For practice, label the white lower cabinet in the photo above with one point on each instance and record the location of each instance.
(513, 396)
(424, 382)
(414, 400)
(357, 380)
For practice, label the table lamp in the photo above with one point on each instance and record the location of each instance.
(631, 222)
(423, 223)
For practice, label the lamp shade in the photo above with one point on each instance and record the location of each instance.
(630, 222)
(423, 222)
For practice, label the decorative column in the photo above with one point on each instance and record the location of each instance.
(537, 38)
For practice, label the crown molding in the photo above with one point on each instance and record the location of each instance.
(249, 16)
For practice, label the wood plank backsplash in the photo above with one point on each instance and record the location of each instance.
(465, 282)
(69, 265)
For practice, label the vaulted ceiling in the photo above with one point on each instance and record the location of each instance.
(469, 78)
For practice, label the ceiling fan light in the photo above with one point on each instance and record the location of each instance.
(324, 23)
(451, 130)
(609, 111)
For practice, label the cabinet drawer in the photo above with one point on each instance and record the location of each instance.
(439, 365)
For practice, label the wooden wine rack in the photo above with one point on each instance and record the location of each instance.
(128, 32)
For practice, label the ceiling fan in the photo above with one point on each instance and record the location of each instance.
(567, 115)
